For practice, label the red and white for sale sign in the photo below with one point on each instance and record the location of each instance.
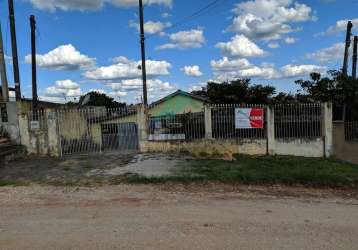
(249, 118)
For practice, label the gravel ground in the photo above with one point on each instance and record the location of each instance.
(207, 216)
(89, 168)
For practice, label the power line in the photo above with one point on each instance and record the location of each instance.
(202, 11)
(196, 14)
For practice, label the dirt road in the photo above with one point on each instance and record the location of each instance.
(162, 217)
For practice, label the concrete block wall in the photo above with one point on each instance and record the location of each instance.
(342, 149)
(307, 147)
(43, 141)
(315, 147)
(12, 125)
(208, 147)
(46, 141)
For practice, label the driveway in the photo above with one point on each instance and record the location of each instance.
(210, 216)
(89, 169)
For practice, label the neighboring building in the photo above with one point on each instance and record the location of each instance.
(178, 103)
(26, 105)
(167, 119)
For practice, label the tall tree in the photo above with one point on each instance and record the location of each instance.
(100, 100)
(336, 88)
(237, 91)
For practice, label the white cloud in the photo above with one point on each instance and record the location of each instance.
(100, 91)
(137, 85)
(121, 59)
(151, 27)
(257, 28)
(64, 57)
(269, 19)
(263, 72)
(240, 46)
(67, 84)
(185, 40)
(226, 65)
(273, 45)
(341, 26)
(290, 40)
(118, 94)
(128, 69)
(165, 15)
(52, 99)
(328, 55)
(192, 71)
(290, 71)
(197, 87)
(8, 58)
(83, 5)
(225, 69)
(63, 89)
(132, 89)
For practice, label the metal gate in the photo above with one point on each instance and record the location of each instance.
(97, 130)
(123, 136)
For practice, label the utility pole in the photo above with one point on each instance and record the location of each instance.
(346, 51)
(355, 57)
(142, 43)
(4, 83)
(33, 62)
(15, 59)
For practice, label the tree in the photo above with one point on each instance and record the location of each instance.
(335, 88)
(237, 91)
(101, 100)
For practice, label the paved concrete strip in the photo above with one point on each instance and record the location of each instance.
(150, 217)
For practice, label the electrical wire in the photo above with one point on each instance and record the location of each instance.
(202, 11)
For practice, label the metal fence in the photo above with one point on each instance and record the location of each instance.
(298, 120)
(187, 126)
(350, 123)
(351, 130)
(291, 121)
(97, 129)
(224, 122)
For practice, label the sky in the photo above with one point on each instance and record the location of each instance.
(86, 45)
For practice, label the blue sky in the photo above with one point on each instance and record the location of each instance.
(94, 44)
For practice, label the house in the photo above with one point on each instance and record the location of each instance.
(166, 120)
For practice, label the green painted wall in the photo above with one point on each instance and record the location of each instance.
(179, 104)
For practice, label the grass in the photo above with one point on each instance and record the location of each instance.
(4, 183)
(244, 170)
(264, 170)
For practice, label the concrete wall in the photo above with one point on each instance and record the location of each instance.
(298, 147)
(12, 125)
(208, 147)
(307, 147)
(342, 149)
(35, 141)
(294, 147)
(47, 140)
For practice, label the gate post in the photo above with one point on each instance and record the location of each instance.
(208, 122)
(142, 121)
(270, 117)
(327, 124)
(53, 137)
